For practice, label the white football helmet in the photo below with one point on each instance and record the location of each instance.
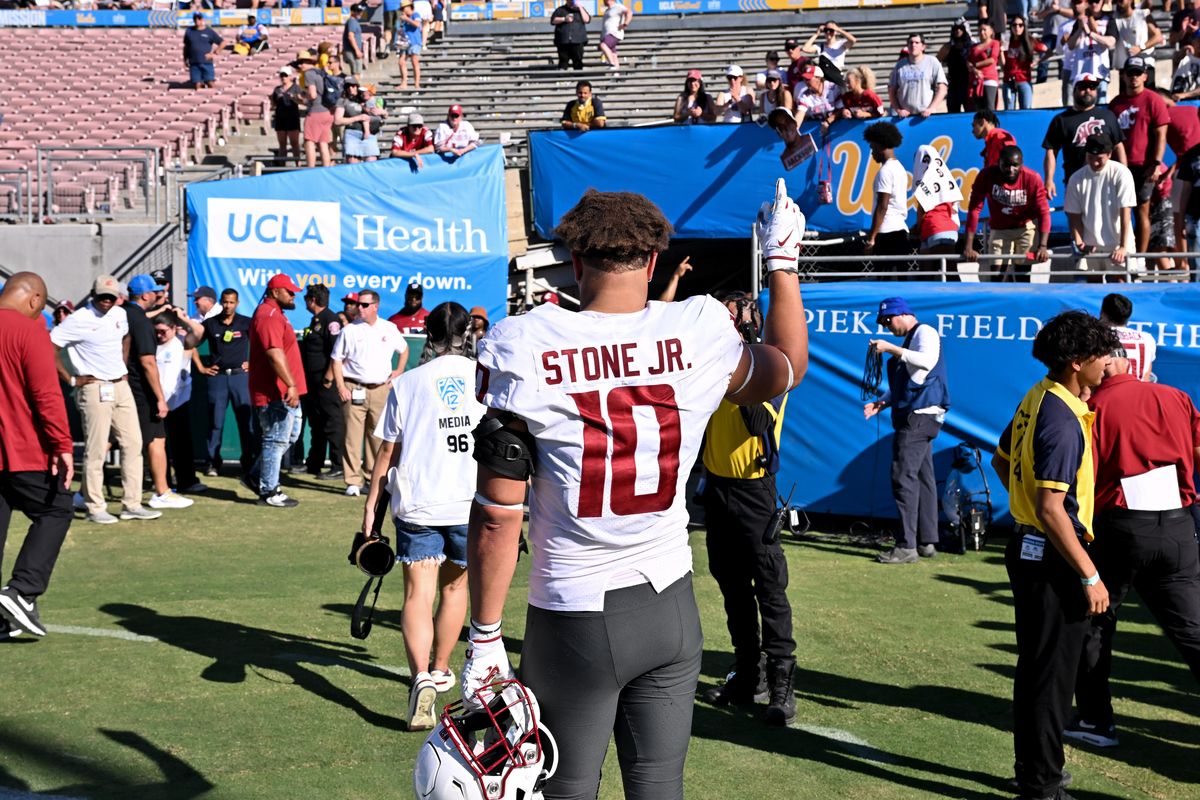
(501, 752)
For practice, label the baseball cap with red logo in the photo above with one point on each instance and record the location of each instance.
(1086, 77)
(812, 71)
(455, 110)
(282, 281)
(352, 297)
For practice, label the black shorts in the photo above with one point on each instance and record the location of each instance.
(1142, 186)
(153, 426)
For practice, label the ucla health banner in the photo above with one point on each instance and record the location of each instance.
(710, 179)
(378, 226)
(840, 463)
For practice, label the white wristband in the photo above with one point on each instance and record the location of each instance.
(1092, 581)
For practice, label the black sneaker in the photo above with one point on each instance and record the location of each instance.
(898, 555)
(1080, 730)
(1067, 780)
(278, 500)
(331, 475)
(7, 631)
(21, 612)
(781, 706)
(742, 686)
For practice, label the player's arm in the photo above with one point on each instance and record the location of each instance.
(777, 366)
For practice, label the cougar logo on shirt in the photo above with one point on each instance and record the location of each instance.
(452, 392)
(1086, 129)
(1126, 120)
(274, 230)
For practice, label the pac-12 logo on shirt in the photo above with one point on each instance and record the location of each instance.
(452, 392)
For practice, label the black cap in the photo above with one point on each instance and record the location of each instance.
(205, 291)
(160, 277)
(1134, 64)
(772, 55)
(791, 44)
(415, 289)
(1098, 143)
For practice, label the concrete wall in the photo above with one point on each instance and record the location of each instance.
(69, 257)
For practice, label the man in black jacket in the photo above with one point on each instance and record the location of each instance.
(322, 407)
(570, 33)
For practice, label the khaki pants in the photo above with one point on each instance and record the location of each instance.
(99, 417)
(1015, 242)
(362, 420)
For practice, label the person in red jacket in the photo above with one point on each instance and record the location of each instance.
(36, 453)
(986, 126)
(1019, 213)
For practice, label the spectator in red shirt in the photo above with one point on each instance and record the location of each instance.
(413, 141)
(36, 452)
(859, 101)
(276, 384)
(1018, 65)
(797, 63)
(1143, 118)
(1145, 432)
(1183, 137)
(986, 126)
(1018, 213)
(984, 66)
(411, 318)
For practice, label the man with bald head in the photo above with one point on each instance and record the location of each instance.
(36, 451)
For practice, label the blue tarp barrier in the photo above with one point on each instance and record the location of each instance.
(360, 226)
(841, 463)
(710, 179)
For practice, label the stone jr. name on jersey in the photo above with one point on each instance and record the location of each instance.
(612, 362)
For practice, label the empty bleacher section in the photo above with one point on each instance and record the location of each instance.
(92, 118)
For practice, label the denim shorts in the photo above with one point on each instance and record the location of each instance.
(203, 72)
(417, 543)
(942, 237)
(412, 49)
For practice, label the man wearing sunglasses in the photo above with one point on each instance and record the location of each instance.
(413, 141)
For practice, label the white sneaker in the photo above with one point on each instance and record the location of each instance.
(102, 518)
(444, 681)
(141, 512)
(169, 500)
(353, 491)
(422, 698)
(78, 502)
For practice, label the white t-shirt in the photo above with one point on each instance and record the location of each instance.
(1140, 349)
(174, 373)
(837, 53)
(448, 137)
(423, 9)
(818, 105)
(618, 405)
(1132, 30)
(431, 410)
(93, 341)
(1089, 56)
(893, 180)
(366, 350)
(612, 21)
(734, 112)
(1099, 197)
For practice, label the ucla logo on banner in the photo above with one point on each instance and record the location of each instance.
(451, 391)
(274, 230)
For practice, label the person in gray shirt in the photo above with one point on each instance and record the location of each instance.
(918, 82)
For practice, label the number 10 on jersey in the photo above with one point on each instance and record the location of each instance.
(617, 423)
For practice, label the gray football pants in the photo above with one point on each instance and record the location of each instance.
(629, 671)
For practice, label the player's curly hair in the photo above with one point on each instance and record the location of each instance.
(614, 231)
(884, 134)
(1073, 336)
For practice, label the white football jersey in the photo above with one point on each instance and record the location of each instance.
(431, 411)
(618, 404)
(1140, 349)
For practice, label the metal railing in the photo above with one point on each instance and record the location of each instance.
(138, 186)
(178, 178)
(16, 194)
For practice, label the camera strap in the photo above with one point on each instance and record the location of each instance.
(361, 628)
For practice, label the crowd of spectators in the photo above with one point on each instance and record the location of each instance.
(130, 360)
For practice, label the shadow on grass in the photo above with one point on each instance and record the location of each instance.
(93, 778)
(235, 647)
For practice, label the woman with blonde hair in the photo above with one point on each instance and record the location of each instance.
(859, 101)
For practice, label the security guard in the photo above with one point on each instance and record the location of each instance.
(228, 337)
(741, 457)
(1146, 438)
(1044, 460)
(322, 408)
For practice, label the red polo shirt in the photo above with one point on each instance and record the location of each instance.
(1139, 427)
(33, 415)
(269, 328)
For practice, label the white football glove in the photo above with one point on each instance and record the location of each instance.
(487, 662)
(780, 230)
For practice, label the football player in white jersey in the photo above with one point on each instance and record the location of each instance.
(603, 410)
(425, 458)
(1140, 347)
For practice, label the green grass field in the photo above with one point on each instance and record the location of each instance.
(236, 676)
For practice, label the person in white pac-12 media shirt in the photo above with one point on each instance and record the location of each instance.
(425, 460)
(1140, 346)
(603, 411)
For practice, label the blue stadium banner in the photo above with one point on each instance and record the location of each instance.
(710, 179)
(840, 462)
(378, 226)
